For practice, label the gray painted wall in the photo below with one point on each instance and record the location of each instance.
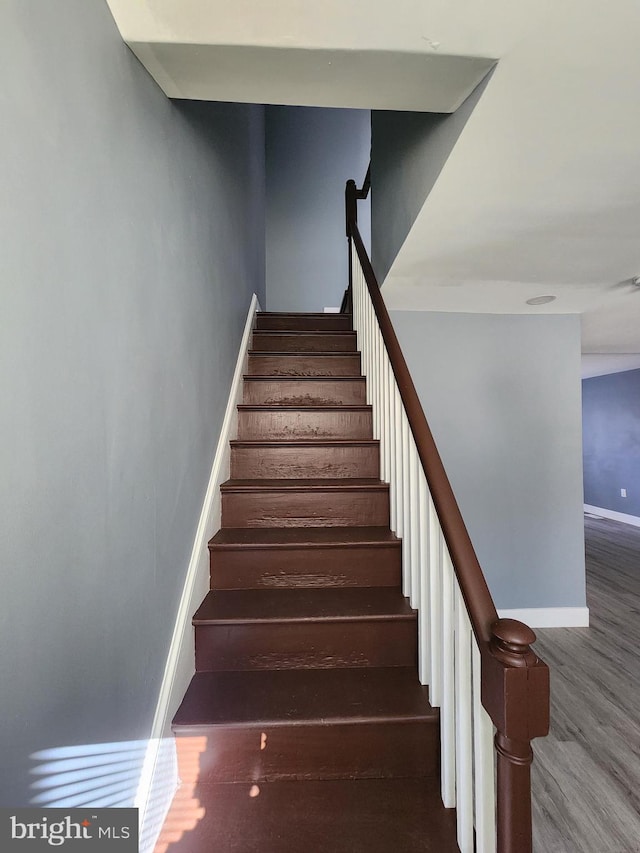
(611, 441)
(311, 153)
(408, 151)
(131, 232)
(502, 395)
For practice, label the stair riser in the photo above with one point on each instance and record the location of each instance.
(310, 323)
(290, 463)
(266, 425)
(300, 392)
(304, 365)
(290, 568)
(306, 645)
(299, 342)
(319, 751)
(306, 509)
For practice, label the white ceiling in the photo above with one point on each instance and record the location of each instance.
(597, 364)
(424, 55)
(360, 79)
(541, 194)
(486, 28)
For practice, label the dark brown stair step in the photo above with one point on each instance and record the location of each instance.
(286, 557)
(307, 458)
(303, 605)
(305, 503)
(305, 391)
(304, 629)
(302, 322)
(300, 697)
(340, 816)
(262, 422)
(244, 538)
(303, 364)
(279, 341)
(308, 724)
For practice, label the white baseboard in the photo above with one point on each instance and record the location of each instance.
(613, 515)
(549, 617)
(159, 778)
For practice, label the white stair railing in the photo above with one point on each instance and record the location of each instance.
(447, 651)
(480, 670)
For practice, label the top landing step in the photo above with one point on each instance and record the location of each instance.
(284, 321)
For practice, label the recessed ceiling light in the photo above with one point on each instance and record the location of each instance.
(540, 300)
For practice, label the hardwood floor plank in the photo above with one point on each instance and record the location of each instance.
(596, 816)
(586, 776)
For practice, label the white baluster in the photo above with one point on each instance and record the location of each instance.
(361, 319)
(397, 429)
(391, 383)
(447, 706)
(424, 609)
(387, 414)
(416, 568)
(374, 370)
(406, 508)
(464, 724)
(372, 359)
(435, 602)
(354, 280)
(382, 408)
(484, 766)
(366, 321)
(377, 420)
(355, 295)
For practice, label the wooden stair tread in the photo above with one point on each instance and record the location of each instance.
(296, 407)
(294, 390)
(302, 605)
(330, 484)
(304, 442)
(303, 332)
(277, 377)
(300, 537)
(302, 364)
(304, 314)
(266, 321)
(310, 354)
(338, 816)
(300, 341)
(303, 697)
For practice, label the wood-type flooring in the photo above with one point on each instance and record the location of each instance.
(586, 774)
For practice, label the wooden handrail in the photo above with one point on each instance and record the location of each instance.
(473, 586)
(363, 192)
(514, 681)
(351, 209)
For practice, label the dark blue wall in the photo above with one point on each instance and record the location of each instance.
(611, 441)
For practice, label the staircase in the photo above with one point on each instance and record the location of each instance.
(305, 727)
